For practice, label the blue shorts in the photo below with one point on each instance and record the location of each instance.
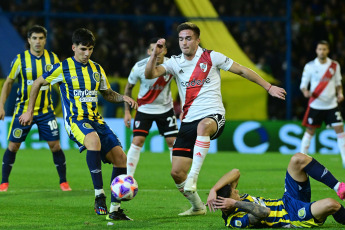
(47, 128)
(297, 203)
(79, 129)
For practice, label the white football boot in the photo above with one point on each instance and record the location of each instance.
(190, 185)
(192, 212)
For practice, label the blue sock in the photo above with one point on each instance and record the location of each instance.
(339, 216)
(7, 163)
(320, 173)
(60, 163)
(117, 171)
(93, 159)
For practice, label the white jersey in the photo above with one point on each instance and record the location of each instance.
(154, 94)
(199, 82)
(313, 73)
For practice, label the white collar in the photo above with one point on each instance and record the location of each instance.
(328, 61)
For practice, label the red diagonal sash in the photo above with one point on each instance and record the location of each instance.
(327, 76)
(155, 90)
(197, 79)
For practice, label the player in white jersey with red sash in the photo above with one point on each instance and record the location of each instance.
(197, 73)
(155, 104)
(326, 91)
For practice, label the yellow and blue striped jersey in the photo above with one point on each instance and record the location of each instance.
(278, 217)
(79, 85)
(29, 67)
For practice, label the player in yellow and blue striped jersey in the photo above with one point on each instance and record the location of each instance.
(27, 67)
(293, 210)
(80, 79)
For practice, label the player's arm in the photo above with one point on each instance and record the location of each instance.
(232, 177)
(114, 97)
(152, 70)
(26, 118)
(255, 212)
(305, 80)
(128, 117)
(5, 92)
(339, 91)
(249, 74)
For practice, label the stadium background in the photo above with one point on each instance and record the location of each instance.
(276, 38)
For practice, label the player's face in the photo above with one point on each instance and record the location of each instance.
(37, 42)
(82, 53)
(188, 42)
(160, 57)
(322, 51)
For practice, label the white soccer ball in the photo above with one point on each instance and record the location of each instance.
(124, 187)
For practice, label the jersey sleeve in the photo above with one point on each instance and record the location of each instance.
(15, 68)
(338, 76)
(133, 76)
(169, 67)
(104, 83)
(221, 61)
(54, 75)
(305, 77)
(238, 219)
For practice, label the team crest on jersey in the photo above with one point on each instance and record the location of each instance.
(17, 133)
(310, 120)
(166, 78)
(238, 223)
(203, 67)
(331, 70)
(302, 213)
(96, 76)
(137, 123)
(48, 67)
(87, 126)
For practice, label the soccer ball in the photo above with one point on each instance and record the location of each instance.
(124, 187)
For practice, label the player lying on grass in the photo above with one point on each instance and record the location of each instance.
(294, 209)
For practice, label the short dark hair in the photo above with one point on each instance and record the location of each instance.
(323, 42)
(189, 26)
(84, 37)
(225, 191)
(37, 29)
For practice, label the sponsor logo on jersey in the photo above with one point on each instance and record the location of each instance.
(84, 93)
(137, 123)
(302, 213)
(181, 71)
(28, 70)
(96, 76)
(156, 87)
(48, 67)
(30, 82)
(203, 66)
(17, 133)
(87, 126)
(195, 82)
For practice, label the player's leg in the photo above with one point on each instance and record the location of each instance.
(339, 129)
(313, 119)
(7, 163)
(170, 142)
(308, 135)
(323, 208)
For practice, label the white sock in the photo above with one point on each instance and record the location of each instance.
(336, 187)
(133, 156)
(305, 143)
(202, 144)
(341, 145)
(114, 206)
(99, 192)
(171, 150)
(192, 197)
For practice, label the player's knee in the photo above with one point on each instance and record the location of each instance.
(13, 146)
(138, 141)
(178, 176)
(206, 127)
(299, 159)
(331, 205)
(92, 141)
(54, 146)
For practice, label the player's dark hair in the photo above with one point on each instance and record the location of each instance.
(225, 191)
(189, 26)
(37, 29)
(323, 42)
(84, 37)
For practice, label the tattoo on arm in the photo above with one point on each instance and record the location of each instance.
(111, 96)
(256, 212)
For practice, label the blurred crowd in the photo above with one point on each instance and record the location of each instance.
(121, 40)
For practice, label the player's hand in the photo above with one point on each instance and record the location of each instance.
(181, 116)
(340, 98)
(277, 92)
(159, 47)
(211, 199)
(2, 113)
(25, 119)
(133, 104)
(306, 93)
(127, 119)
(224, 203)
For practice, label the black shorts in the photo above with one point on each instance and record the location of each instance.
(186, 137)
(166, 123)
(314, 117)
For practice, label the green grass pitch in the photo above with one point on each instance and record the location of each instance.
(35, 201)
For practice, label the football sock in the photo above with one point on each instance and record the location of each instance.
(192, 197)
(339, 216)
(99, 192)
(7, 163)
(171, 151)
(202, 144)
(133, 156)
(306, 142)
(60, 163)
(341, 145)
(320, 173)
(93, 159)
(116, 172)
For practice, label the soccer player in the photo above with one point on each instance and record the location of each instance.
(155, 104)
(197, 73)
(293, 210)
(27, 67)
(80, 79)
(325, 92)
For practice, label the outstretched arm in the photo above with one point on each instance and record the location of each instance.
(114, 97)
(5, 92)
(152, 70)
(249, 74)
